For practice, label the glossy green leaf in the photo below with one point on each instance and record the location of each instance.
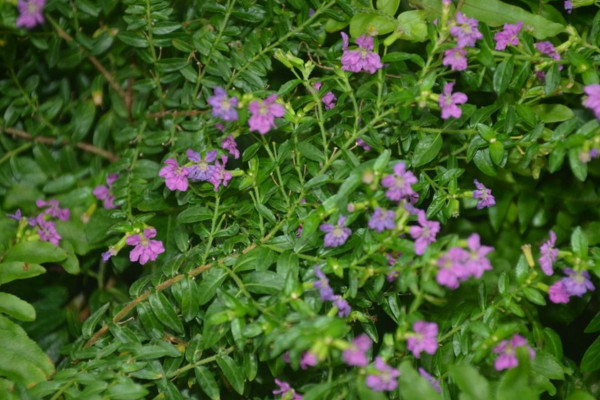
(35, 252)
(165, 312)
(207, 382)
(232, 371)
(13, 270)
(427, 149)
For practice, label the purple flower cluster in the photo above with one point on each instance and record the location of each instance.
(286, 391)
(53, 209)
(449, 102)
(508, 35)
(592, 100)
(222, 106)
(230, 145)
(336, 235)
(569, 6)
(435, 383)
(363, 59)
(458, 265)
(144, 249)
(466, 32)
(327, 294)
(30, 13)
(45, 227)
(104, 193)
(383, 378)
(363, 144)
(486, 199)
(425, 234)
(382, 219)
(47, 230)
(264, 113)
(424, 338)
(548, 49)
(548, 254)
(507, 357)
(399, 184)
(576, 283)
(201, 169)
(356, 354)
(328, 99)
(176, 176)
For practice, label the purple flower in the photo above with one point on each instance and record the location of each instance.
(175, 175)
(592, 101)
(507, 358)
(456, 59)
(486, 199)
(30, 13)
(323, 285)
(286, 391)
(548, 254)
(222, 106)
(577, 283)
(425, 234)
(432, 381)
(594, 153)
(449, 102)
(363, 144)
(308, 360)
(548, 49)
(385, 377)
(335, 235)
(569, 6)
(399, 184)
(477, 261)
(356, 354)
(230, 145)
(392, 275)
(558, 293)
(108, 254)
(342, 306)
(382, 219)
(104, 193)
(47, 231)
(264, 114)
(508, 35)
(424, 338)
(329, 100)
(465, 31)
(16, 216)
(220, 175)
(54, 209)
(452, 268)
(201, 170)
(362, 59)
(145, 250)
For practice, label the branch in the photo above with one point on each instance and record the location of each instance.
(46, 140)
(176, 113)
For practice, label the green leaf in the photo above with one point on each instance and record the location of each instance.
(361, 24)
(37, 252)
(578, 167)
(427, 149)
(265, 212)
(471, 383)
(189, 298)
(233, 372)
(194, 213)
(206, 382)
(503, 75)
(10, 271)
(579, 243)
(546, 365)
(22, 359)
(16, 308)
(89, 326)
(580, 395)
(497, 152)
(388, 7)
(263, 282)
(126, 391)
(83, 120)
(211, 280)
(413, 386)
(594, 325)
(165, 312)
(553, 112)
(534, 296)
(412, 26)
(60, 184)
(483, 161)
(552, 79)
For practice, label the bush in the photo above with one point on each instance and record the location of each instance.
(299, 199)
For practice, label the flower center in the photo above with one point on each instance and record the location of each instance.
(32, 8)
(338, 231)
(225, 105)
(399, 182)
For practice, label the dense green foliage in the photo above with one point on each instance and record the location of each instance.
(114, 87)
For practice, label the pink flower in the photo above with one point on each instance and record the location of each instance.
(456, 59)
(54, 209)
(452, 268)
(363, 58)
(385, 377)
(592, 101)
(424, 338)
(449, 102)
(477, 261)
(425, 234)
(220, 175)
(399, 184)
(230, 145)
(548, 49)
(486, 199)
(508, 35)
(264, 114)
(145, 250)
(308, 360)
(104, 193)
(175, 176)
(222, 106)
(356, 355)
(507, 358)
(558, 293)
(465, 31)
(548, 254)
(30, 13)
